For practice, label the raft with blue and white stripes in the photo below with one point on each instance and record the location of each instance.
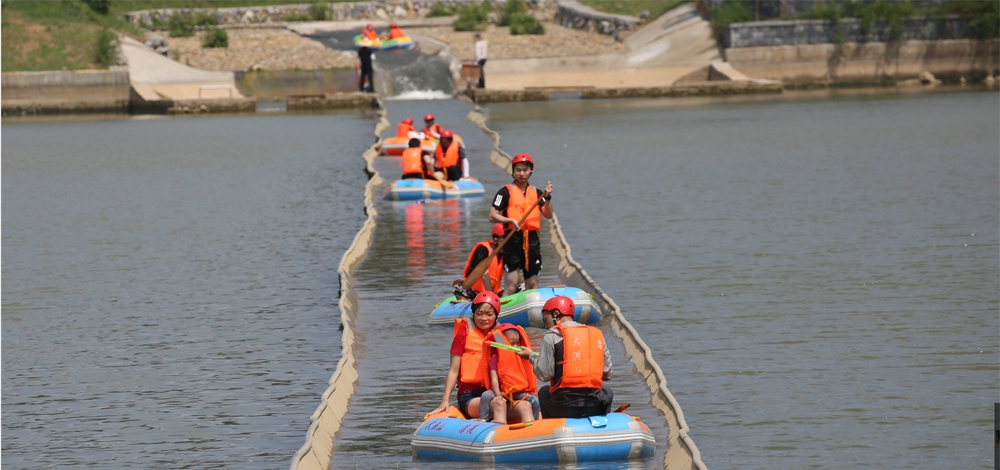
(616, 436)
(523, 308)
(415, 189)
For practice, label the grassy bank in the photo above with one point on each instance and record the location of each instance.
(634, 7)
(57, 35)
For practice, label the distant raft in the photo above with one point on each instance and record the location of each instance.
(395, 145)
(523, 308)
(448, 436)
(414, 189)
(387, 45)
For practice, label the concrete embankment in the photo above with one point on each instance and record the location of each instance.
(61, 92)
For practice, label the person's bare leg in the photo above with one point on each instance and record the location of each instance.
(510, 282)
(499, 408)
(531, 282)
(523, 411)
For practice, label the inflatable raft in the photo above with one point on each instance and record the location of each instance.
(414, 189)
(387, 45)
(617, 436)
(396, 145)
(523, 308)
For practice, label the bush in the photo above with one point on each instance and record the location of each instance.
(106, 50)
(99, 6)
(729, 12)
(319, 12)
(297, 17)
(512, 8)
(472, 17)
(525, 23)
(205, 19)
(180, 27)
(215, 38)
(438, 10)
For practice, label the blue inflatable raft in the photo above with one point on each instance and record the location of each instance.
(523, 308)
(616, 436)
(414, 189)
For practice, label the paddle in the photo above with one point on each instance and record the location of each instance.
(485, 264)
(511, 348)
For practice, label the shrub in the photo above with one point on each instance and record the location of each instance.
(99, 6)
(180, 27)
(319, 12)
(297, 17)
(215, 38)
(106, 50)
(472, 17)
(438, 10)
(729, 12)
(525, 23)
(205, 19)
(513, 7)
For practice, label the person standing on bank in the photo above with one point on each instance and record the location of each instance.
(575, 360)
(481, 48)
(523, 250)
(365, 56)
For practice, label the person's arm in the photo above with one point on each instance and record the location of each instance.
(449, 383)
(544, 364)
(546, 207)
(500, 204)
(495, 383)
(607, 362)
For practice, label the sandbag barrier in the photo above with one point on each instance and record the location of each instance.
(682, 453)
(329, 415)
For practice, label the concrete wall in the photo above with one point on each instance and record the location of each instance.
(65, 92)
(571, 14)
(867, 61)
(780, 33)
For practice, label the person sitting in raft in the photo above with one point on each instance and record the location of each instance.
(449, 158)
(492, 280)
(523, 250)
(512, 378)
(417, 163)
(468, 367)
(369, 33)
(394, 32)
(431, 130)
(403, 129)
(576, 363)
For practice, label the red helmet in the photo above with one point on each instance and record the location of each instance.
(370, 26)
(560, 305)
(446, 134)
(490, 298)
(407, 121)
(392, 25)
(497, 230)
(522, 158)
(429, 117)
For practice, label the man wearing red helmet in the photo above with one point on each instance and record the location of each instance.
(368, 32)
(404, 128)
(492, 279)
(576, 362)
(417, 163)
(449, 158)
(394, 31)
(468, 367)
(523, 252)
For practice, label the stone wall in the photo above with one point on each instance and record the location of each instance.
(780, 33)
(65, 92)
(571, 14)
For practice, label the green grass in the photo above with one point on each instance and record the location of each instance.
(656, 8)
(122, 6)
(55, 35)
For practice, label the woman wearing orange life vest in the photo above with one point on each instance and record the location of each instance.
(467, 367)
(523, 250)
(576, 361)
(512, 379)
(404, 128)
(492, 279)
(417, 162)
(431, 129)
(449, 158)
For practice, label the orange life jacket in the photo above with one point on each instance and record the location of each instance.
(433, 130)
(395, 33)
(446, 158)
(519, 203)
(583, 358)
(369, 34)
(471, 370)
(495, 271)
(403, 130)
(413, 161)
(514, 373)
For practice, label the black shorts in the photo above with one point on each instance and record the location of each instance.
(514, 255)
(453, 173)
(465, 397)
(413, 176)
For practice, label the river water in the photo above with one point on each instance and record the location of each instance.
(818, 278)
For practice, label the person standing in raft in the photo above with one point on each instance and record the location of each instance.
(576, 362)
(512, 378)
(431, 130)
(417, 163)
(468, 367)
(492, 280)
(449, 158)
(365, 56)
(523, 250)
(404, 128)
